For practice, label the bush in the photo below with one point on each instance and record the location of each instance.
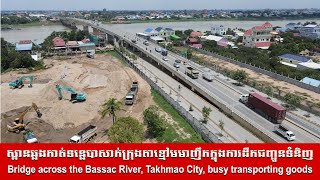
(155, 123)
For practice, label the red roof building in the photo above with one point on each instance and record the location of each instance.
(195, 34)
(192, 40)
(258, 36)
(25, 42)
(58, 42)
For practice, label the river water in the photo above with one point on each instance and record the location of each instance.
(39, 33)
(35, 33)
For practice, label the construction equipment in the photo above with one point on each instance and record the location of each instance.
(18, 125)
(19, 82)
(75, 97)
(85, 135)
(131, 96)
(29, 137)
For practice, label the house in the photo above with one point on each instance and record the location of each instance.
(310, 81)
(310, 31)
(59, 44)
(220, 30)
(24, 45)
(98, 38)
(282, 30)
(293, 59)
(86, 45)
(238, 34)
(198, 46)
(72, 46)
(308, 65)
(293, 26)
(151, 32)
(258, 36)
(166, 33)
(212, 38)
(195, 34)
(192, 40)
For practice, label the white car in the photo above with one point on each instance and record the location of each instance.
(165, 59)
(176, 65)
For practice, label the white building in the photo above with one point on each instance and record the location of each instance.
(258, 36)
(220, 30)
(310, 31)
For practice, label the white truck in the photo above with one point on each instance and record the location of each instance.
(131, 96)
(85, 135)
(192, 72)
(289, 135)
(207, 76)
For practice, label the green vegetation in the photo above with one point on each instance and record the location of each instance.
(292, 99)
(170, 135)
(221, 125)
(205, 113)
(110, 107)
(14, 20)
(240, 76)
(268, 59)
(126, 130)
(156, 124)
(10, 58)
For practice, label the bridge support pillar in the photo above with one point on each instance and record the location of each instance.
(86, 28)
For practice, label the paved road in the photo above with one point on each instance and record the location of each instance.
(222, 93)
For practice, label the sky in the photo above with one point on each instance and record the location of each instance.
(155, 4)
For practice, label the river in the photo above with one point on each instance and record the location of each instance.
(203, 25)
(35, 33)
(39, 33)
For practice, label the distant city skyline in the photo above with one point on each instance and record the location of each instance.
(155, 4)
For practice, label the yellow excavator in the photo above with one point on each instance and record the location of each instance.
(17, 125)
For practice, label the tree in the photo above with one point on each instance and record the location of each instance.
(189, 53)
(205, 113)
(188, 32)
(110, 107)
(292, 99)
(126, 130)
(155, 123)
(240, 76)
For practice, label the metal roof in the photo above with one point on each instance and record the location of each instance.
(148, 30)
(310, 81)
(295, 57)
(158, 29)
(23, 47)
(267, 101)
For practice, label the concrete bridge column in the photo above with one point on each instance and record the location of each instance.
(86, 28)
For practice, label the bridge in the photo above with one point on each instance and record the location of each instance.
(220, 94)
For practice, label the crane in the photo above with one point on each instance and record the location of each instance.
(17, 125)
(19, 82)
(75, 97)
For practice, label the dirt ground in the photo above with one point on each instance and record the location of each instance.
(102, 78)
(266, 80)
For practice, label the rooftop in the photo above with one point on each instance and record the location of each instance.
(25, 42)
(148, 30)
(310, 81)
(195, 34)
(263, 44)
(295, 57)
(58, 42)
(23, 47)
(267, 101)
(311, 65)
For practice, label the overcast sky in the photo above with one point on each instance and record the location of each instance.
(154, 4)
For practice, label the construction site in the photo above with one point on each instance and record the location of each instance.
(67, 96)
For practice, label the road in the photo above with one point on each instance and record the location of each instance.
(219, 91)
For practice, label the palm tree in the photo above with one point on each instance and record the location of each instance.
(110, 107)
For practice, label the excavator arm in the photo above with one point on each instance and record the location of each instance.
(74, 95)
(19, 120)
(19, 82)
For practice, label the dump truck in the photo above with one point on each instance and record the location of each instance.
(85, 135)
(132, 94)
(192, 72)
(207, 76)
(265, 107)
(285, 132)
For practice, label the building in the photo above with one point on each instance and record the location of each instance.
(293, 26)
(98, 38)
(258, 36)
(24, 45)
(192, 40)
(195, 34)
(166, 33)
(310, 81)
(59, 44)
(293, 60)
(86, 45)
(310, 31)
(308, 65)
(220, 30)
(72, 46)
(151, 32)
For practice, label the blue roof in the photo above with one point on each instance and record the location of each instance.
(295, 57)
(291, 24)
(312, 82)
(158, 29)
(148, 30)
(23, 47)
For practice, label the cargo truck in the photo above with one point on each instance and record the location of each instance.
(265, 107)
(285, 132)
(85, 135)
(131, 96)
(192, 72)
(164, 52)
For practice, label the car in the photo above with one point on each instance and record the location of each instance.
(176, 65)
(165, 59)
(178, 61)
(185, 63)
(146, 43)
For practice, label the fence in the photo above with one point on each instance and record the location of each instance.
(262, 71)
(195, 123)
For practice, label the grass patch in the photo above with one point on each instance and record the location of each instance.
(170, 134)
(117, 56)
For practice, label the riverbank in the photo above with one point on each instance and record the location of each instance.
(216, 19)
(46, 23)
